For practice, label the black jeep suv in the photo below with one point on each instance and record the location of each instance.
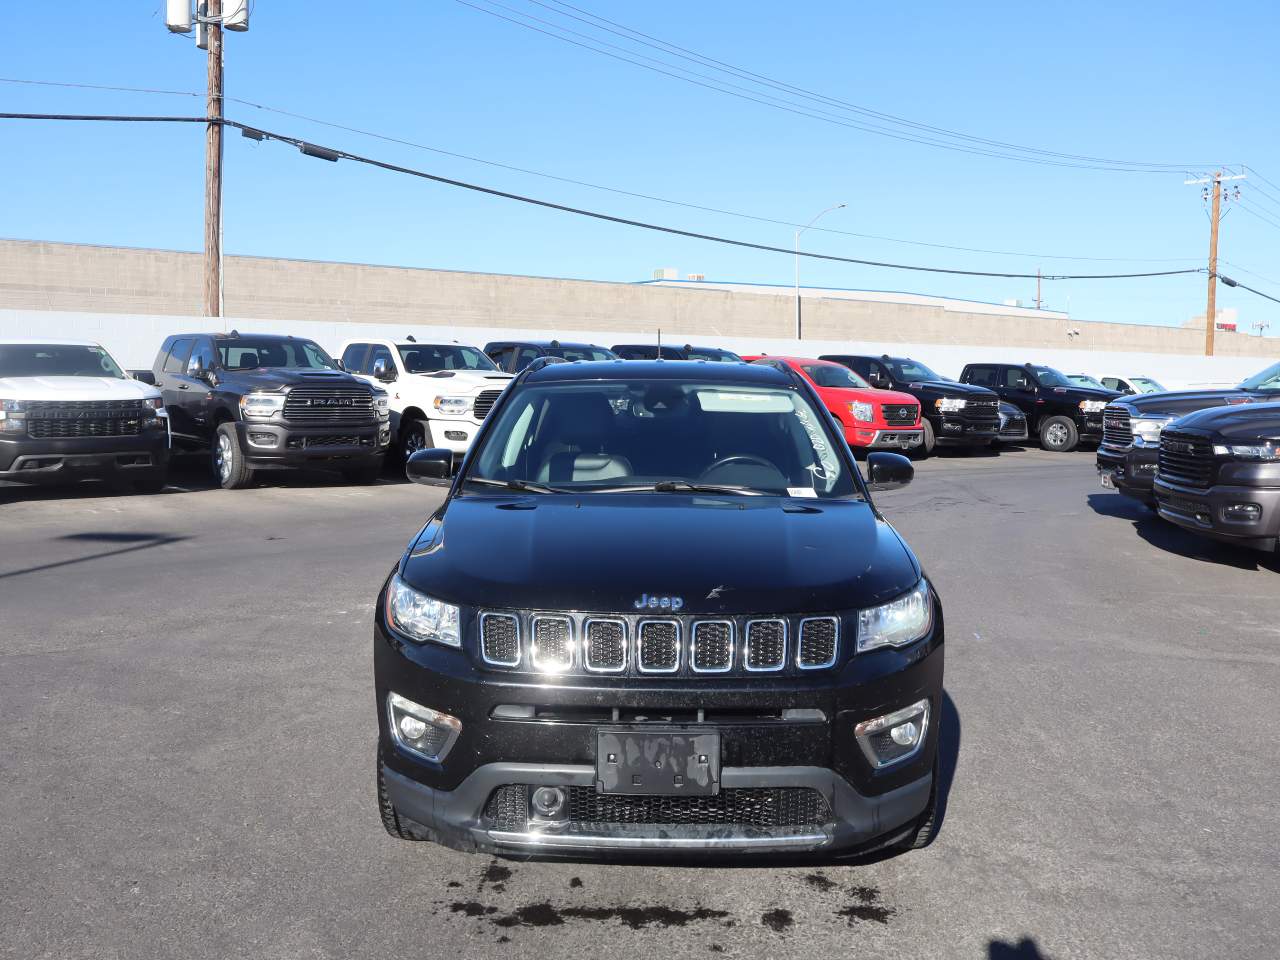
(1131, 428)
(658, 612)
(952, 414)
(1061, 413)
(652, 351)
(260, 402)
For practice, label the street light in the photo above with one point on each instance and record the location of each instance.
(838, 206)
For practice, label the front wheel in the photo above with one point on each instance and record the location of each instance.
(928, 441)
(926, 825)
(229, 467)
(402, 828)
(1059, 434)
(415, 435)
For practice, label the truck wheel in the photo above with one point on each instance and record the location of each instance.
(415, 435)
(366, 471)
(152, 481)
(926, 827)
(229, 468)
(927, 443)
(399, 827)
(1059, 434)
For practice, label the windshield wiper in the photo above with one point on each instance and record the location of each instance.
(678, 486)
(524, 486)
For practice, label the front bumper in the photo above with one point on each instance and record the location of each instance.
(545, 733)
(951, 429)
(1203, 511)
(453, 433)
(266, 444)
(31, 460)
(884, 438)
(1132, 470)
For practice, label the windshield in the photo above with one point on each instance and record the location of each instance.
(1146, 385)
(1267, 380)
(637, 433)
(912, 371)
(713, 354)
(1050, 377)
(246, 353)
(581, 353)
(834, 375)
(57, 360)
(1083, 380)
(432, 358)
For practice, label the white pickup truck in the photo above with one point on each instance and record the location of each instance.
(439, 393)
(67, 411)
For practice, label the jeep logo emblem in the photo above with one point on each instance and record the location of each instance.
(646, 602)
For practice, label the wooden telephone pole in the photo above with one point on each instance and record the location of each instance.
(213, 169)
(1215, 218)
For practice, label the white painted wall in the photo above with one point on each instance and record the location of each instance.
(134, 340)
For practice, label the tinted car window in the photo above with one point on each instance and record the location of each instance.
(353, 356)
(56, 360)
(602, 434)
(581, 353)
(176, 362)
(833, 375)
(526, 356)
(1016, 378)
(713, 354)
(251, 353)
(983, 376)
(913, 370)
(431, 358)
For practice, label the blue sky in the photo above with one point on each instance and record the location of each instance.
(1136, 81)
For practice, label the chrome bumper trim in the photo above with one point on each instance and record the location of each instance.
(642, 841)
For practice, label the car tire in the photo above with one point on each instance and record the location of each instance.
(928, 442)
(415, 435)
(229, 467)
(926, 825)
(397, 826)
(151, 481)
(367, 471)
(1059, 435)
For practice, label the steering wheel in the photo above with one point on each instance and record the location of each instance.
(741, 458)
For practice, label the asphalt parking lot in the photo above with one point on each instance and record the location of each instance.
(187, 737)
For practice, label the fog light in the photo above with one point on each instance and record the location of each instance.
(1242, 511)
(894, 737)
(547, 802)
(454, 435)
(420, 730)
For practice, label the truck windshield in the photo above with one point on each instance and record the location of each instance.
(663, 436)
(1050, 377)
(911, 370)
(1146, 385)
(581, 353)
(246, 353)
(1266, 381)
(434, 357)
(57, 360)
(1084, 380)
(834, 375)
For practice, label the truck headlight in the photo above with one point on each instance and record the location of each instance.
(1148, 429)
(153, 403)
(1249, 451)
(949, 404)
(382, 404)
(261, 406)
(421, 618)
(1092, 406)
(452, 406)
(898, 622)
(862, 412)
(13, 416)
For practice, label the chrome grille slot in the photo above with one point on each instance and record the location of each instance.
(484, 403)
(819, 640)
(500, 639)
(605, 646)
(659, 646)
(329, 403)
(766, 646)
(1116, 429)
(712, 650)
(552, 643)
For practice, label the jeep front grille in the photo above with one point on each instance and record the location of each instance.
(605, 648)
(659, 646)
(553, 643)
(500, 639)
(817, 647)
(766, 646)
(712, 650)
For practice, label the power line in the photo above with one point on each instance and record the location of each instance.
(637, 36)
(1236, 283)
(1252, 273)
(1254, 212)
(608, 189)
(827, 118)
(107, 118)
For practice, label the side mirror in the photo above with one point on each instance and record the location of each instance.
(143, 376)
(888, 471)
(195, 368)
(383, 371)
(340, 365)
(433, 467)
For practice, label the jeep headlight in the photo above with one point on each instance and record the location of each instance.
(419, 617)
(1148, 430)
(261, 406)
(1249, 451)
(949, 404)
(898, 622)
(13, 416)
(1092, 406)
(452, 406)
(862, 412)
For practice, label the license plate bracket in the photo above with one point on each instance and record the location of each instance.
(665, 762)
(1108, 481)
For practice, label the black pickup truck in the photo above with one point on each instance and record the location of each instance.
(951, 414)
(1061, 413)
(1131, 428)
(260, 402)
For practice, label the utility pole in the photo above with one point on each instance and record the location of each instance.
(1039, 302)
(1215, 218)
(213, 168)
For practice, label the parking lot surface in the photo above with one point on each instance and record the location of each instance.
(187, 734)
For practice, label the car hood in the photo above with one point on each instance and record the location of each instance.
(75, 388)
(1084, 393)
(949, 388)
(466, 379)
(1247, 423)
(273, 378)
(1181, 402)
(602, 552)
(872, 394)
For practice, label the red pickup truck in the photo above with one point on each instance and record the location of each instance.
(872, 419)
